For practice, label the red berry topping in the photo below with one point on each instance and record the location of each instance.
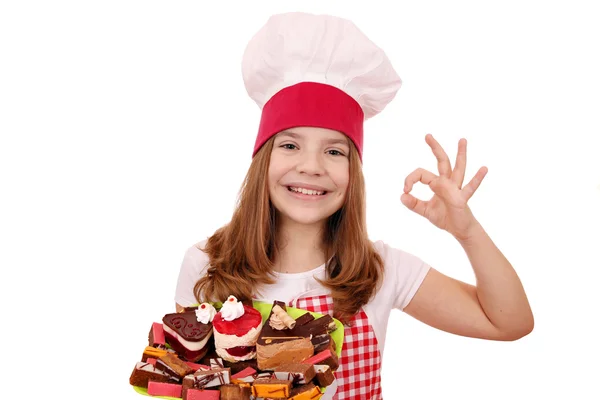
(240, 326)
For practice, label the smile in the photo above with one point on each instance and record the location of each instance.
(308, 192)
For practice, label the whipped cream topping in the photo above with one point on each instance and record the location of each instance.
(276, 322)
(205, 313)
(232, 309)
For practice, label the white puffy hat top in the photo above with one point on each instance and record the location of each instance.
(296, 48)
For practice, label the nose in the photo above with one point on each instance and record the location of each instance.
(310, 163)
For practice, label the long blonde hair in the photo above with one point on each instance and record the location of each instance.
(240, 262)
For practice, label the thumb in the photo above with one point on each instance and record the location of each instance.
(413, 204)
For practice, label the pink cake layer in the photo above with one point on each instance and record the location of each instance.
(196, 367)
(164, 389)
(317, 358)
(244, 373)
(199, 394)
(158, 333)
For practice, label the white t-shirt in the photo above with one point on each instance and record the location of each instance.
(403, 274)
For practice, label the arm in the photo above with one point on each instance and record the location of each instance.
(497, 308)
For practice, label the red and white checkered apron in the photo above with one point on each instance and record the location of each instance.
(358, 376)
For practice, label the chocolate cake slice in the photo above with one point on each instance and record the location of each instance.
(324, 376)
(235, 392)
(323, 342)
(186, 335)
(173, 366)
(299, 374)
(275, 347)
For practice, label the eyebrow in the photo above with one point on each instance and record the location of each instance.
(328, 141)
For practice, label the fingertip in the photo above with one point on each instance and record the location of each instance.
(405, 199)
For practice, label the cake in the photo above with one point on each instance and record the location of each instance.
(187, 335)
(326, 357)
(324, 376)
(271, 388)
(235, 392)
(305, 392)
(238, 366)
(164, 389)
(280, 344)
(145, 372)
(173, 366)
(212, 378)
(283, 358)
(200, 394)
(299, 374)
(153, 352)
(156, 336)
(236, 329)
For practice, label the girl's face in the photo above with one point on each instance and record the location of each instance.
(308, 173)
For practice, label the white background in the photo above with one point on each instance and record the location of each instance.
(126, 133)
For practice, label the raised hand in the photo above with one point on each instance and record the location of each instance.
(448, 208)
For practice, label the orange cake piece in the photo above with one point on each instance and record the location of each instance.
(153, 352)
(306, 392)
(271, 388)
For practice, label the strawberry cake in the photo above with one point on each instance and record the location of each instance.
(236, 328)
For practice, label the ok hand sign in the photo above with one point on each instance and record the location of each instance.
(448, 208)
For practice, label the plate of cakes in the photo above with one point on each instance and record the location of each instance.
(233, 350)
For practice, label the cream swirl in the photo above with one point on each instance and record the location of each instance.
(232, 309)
(276, 322)
(205, 313)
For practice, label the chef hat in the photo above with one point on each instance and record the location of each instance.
(316, 70)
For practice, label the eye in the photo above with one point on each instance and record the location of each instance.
(289, 146)
(335, 152)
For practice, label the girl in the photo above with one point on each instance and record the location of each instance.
(298, 233)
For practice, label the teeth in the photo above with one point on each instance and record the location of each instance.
(307, 191)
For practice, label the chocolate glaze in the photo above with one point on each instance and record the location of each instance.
(187, 326)
(203, 378)
(304, 318)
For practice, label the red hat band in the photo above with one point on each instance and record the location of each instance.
(311, 104)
